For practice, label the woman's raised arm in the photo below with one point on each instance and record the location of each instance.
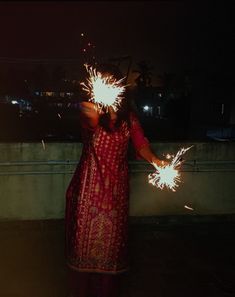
(90, 116)
(141, 143)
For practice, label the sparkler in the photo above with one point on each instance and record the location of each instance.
(103, 90)
(168, 176)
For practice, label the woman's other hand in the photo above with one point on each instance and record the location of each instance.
(160, 163)
(90, 113)
(87, 107)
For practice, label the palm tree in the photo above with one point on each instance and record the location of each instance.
(145, 75)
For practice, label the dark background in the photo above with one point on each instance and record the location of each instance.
(177, 56)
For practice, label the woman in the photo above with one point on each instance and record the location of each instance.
(97, 197)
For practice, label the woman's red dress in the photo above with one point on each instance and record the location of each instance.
(97, 200)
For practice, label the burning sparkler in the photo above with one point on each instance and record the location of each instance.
(103, 90)
(168, 176)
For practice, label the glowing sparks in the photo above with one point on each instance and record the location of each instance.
(189, 208)
(168, 156)
(168, 176)
(43, 145)
(103, 90)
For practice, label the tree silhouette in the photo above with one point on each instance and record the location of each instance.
(145, 75)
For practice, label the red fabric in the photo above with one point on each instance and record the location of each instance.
(97, 200)
(137, 136)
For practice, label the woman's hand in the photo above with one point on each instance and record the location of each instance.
(159, 163)
(87, 107)
(146, 153)
(90, 108)
(90, 113)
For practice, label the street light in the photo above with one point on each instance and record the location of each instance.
(146, 108)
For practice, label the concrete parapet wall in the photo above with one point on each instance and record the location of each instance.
(34, 178)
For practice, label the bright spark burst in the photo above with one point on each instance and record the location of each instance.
(168, 176)
(103, 90)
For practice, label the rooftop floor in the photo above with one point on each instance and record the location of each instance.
(167, 260)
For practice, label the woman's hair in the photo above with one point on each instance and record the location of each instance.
(123, 111)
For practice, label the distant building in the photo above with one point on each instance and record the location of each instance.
(212, 110)
(151, 102)
(65, 89)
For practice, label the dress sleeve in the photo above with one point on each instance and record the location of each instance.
(137, 135)
(84, 123)
(84, 120)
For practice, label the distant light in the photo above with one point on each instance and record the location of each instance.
(84, 50)
(82, 34)
(160, 95)
(146, 108)
(89, 44)
(14, 102)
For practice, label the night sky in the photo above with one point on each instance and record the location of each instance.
(171, 35)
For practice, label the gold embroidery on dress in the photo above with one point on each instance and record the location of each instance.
(100, 238)
(106, 182)
(97, 188)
